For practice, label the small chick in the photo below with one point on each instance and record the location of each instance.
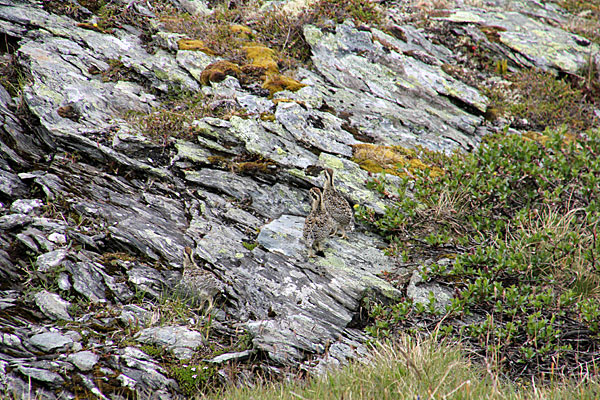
(199, 285)
(318, 223)
(337, 206)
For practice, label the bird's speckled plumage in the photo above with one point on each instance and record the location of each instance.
(199, 285)
(318, 224)
(337, 206)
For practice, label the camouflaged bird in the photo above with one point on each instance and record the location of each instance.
(337, 206)
(199, 286)
(318, 224)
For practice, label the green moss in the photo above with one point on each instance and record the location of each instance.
(195, 45)
(153, 351)
(265, 116)
(250, 246)
(194, 379)
(276, 82)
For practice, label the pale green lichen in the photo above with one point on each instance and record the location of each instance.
(191, 152)
(353, 277)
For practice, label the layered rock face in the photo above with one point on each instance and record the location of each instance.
(95, 216)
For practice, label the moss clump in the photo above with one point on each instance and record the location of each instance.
(276, 82)
(153, 351)
(114, 258)
(250, 246)
(218, 71)
(395, 160)
(262, 57)
(265, 116)
(195, 45)
(244, 164)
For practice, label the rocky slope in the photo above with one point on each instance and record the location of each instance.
(95, 215)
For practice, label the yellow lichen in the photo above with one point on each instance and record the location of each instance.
(217, 71)
(395, 160)
(277, 82)
(192, 44)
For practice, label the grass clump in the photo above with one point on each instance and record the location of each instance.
(175, 118)
(519, 217)
(412, 369)
(11, 76)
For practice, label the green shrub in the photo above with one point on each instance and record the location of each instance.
(521, 214)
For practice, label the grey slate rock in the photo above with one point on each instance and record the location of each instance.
(84, 360)
(135, 315)
(26, 206)
(51, 341)
(11, 221)
(88, 280)
(52, 305)
(43, 375)
(11, 185)
(282, 235)
(50, 260)
(182, 342)
(236, 356)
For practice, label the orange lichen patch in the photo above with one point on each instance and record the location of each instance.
(277, 82)
(217, 71)
(262, 57)
(242, 31)
(193, 44)
(395, 160)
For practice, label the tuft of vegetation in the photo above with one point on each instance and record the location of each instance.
(218, 71)
(230, 28)
(586, 15)
(11, 76)
(175, 118)
(414, 369)
(194, 378)
(537, 100)
(519, 217)
(250, 246)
